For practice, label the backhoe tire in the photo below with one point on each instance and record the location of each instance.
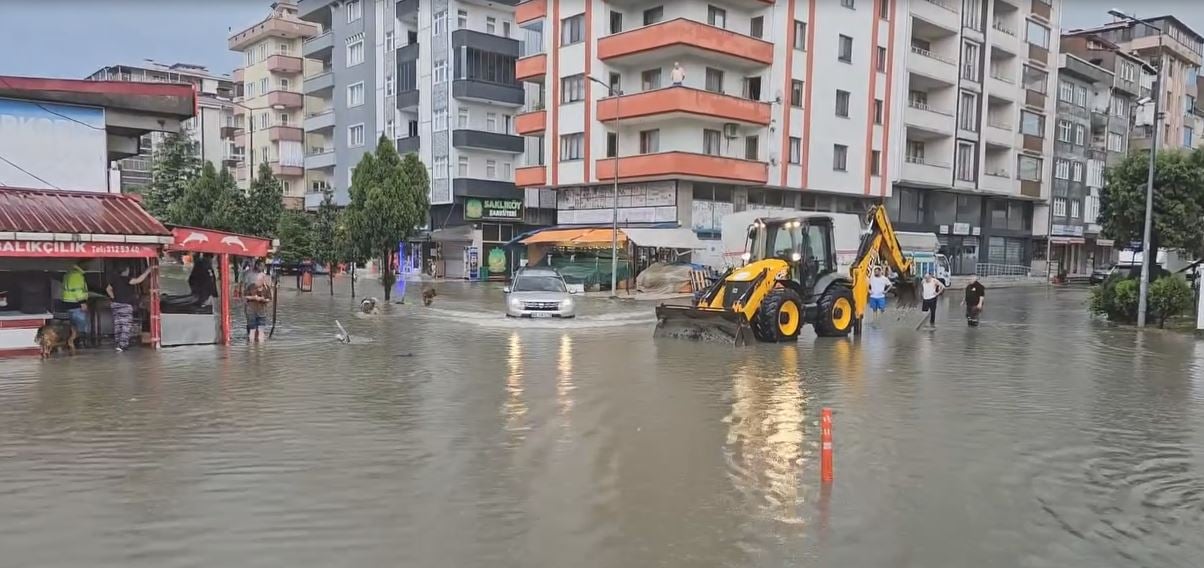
(780, 317)
(836, 316)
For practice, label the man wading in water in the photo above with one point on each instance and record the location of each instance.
(932, 289)
(976, 295)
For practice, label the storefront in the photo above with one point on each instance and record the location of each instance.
(990, 235)
(583, 255)
(471, 243)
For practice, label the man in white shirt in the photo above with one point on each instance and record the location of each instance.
(879, 284)
(678, 75)
(932, 288)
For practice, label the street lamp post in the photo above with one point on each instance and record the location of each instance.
(1144, 285)
(251, 134)
(614, 220)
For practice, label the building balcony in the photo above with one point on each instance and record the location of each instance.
(314, 10)
(319, 121)
(532, 68)
(532, 122)
(320, 85)
(931, 64)
(230, 131)
(926, 172)
(271, 27)
(483, 140)
(1001, 84)
(490, 188)
(531, 176)
(997, 182)
(1005, 37)
(942, 13)
(314, 199)
(675, 102)
(319, 47)
(319, 158)
(408, 100)
(929, 119)
(1030, 189)
(530, 10)
(673, 38)
(999, 134)
(281, 133)
(238, 74)
(487, 92)
(409, 145)
(673, 165)
(285, 64)
(488, 43)
(407, 10)
(285, 99)
(282, 170)
(408, 52)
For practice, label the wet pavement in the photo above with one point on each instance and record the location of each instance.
(450, 436)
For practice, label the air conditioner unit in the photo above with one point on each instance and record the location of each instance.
(731, 129)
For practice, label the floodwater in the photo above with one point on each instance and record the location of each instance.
(450, 436)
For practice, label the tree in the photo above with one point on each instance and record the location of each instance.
(325, 234)
(1178, 202)
(174, 168)
(211, 201)
(261, 214)
(295, 231)
(1169, 297)
(388, 203)
(227, 214)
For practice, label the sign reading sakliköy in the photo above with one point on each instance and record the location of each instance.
(476, 209)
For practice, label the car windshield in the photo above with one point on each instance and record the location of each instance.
(539, 284)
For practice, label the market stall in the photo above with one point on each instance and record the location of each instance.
(583, 254)
(200, 326)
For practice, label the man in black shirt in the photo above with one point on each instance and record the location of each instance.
(976, 295)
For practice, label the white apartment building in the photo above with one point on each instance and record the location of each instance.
(270, 103)
(977, 134)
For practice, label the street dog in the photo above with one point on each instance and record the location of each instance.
(54, 336)
(428, 296)
(369, 306)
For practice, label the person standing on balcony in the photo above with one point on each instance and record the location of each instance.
(678, 75)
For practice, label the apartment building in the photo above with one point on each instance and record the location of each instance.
(437, 78)
(209, 129)
(701, 109)
(1178, 50)
(978, 129)
(270, 101)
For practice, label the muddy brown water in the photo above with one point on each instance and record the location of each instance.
(451, 436)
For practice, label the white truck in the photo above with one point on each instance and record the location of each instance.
(922, 249)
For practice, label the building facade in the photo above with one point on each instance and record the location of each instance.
(270, 101)
(210, 129)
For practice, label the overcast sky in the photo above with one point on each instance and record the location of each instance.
(73, 38)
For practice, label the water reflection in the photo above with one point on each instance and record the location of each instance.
(516, 407)
(564, 377)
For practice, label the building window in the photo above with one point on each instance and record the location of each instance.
(968, 113)
(506, 174)
(490, 25)
(752, 148)
(653, 15)
(1080, 135)
(800, 35)
(1035, 79)
(439, 167)
(390, 42)
(840, 157)
(462, 118)
(355, 94)
(1029, 168)
(439, 23)
(282, 84)
(796, 150)
(1032, 124)
(1065, 92)
(439, 120)
(875, 162)
(390, 86)
(1116, 142)
(796, 93)
(970, 61)
(491, 122)
(355, 10)
(884, 10)
(571, 29)
(842, 103)
(965, 161)
(878, 111)
(1038, 35)
(916, 151)
(390, 129)
(881, 59)
(972, 14)
(572, 89)
(1120, 108)
(1059, 207)
(355, 50)
(355, 135)
(847, 3)
(714, 80)
(490, 169)
(1065, 131)
(650, 141)
(712, 142)
(612, 144)
(1188, 137)
(1080, 96)
(1128, 72)
(756, 26)
(717, 17)
(572, 146)
(1074, 208)
(1077, 173)
(650, 79)
(461, 19)
(616, 22)
(462, 167)
(439, 72)
(1062, 169)
(845, 52)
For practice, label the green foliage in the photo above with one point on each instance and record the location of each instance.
(295, 231)
(1116, 299)
(211, 201)
(388, 203)
(324, 234)
(1169, 296)
(261, 212)
(174, 168)
(1178, 200)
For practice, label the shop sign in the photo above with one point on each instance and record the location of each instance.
(961, 228)
(631, 195)
(57, 249)
(1067, 230)
(476, 209)
(189, 239)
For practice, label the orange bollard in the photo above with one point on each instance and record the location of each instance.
(825, 453)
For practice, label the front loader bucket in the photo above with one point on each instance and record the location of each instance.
(906, 293)
(701, 324)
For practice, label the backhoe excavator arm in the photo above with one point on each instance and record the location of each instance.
(881, 242)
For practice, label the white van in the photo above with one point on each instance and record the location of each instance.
(922, 249)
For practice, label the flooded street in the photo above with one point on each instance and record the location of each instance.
(450, 436)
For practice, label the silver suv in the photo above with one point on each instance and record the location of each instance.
(539, 293)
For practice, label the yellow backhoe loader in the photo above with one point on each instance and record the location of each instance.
(790, 278)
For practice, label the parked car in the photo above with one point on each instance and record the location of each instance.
(1100, 274)
(539, 293)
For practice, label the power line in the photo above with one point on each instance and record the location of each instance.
(58, 114)
(29, 173)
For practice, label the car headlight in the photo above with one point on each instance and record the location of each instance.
(566, 304)
(516, 304)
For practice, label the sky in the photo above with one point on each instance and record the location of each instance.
(73, 38)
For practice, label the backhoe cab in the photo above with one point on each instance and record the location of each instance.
(790, 277)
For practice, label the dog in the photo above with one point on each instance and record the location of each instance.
(428, 296)
(54, 336)
(369, 306)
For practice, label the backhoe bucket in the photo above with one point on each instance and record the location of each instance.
(906, 293)
(701, 324)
